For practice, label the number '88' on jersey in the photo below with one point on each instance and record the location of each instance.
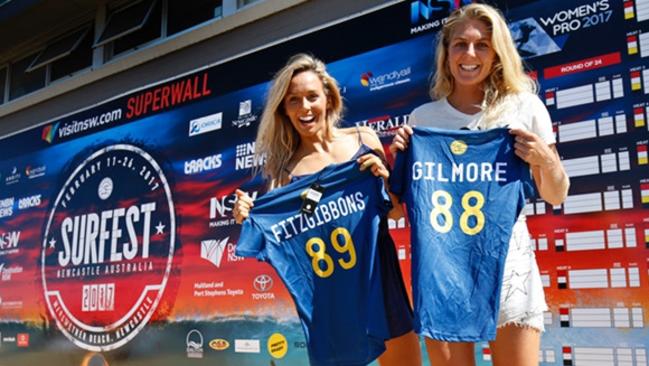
(464, 191)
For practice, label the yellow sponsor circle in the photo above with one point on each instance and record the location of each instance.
(219, 344)
(458, 147)
(277, 345)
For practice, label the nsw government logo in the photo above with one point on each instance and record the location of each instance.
(111, 231)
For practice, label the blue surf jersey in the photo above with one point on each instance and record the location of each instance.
(464, 191)
(328, 260)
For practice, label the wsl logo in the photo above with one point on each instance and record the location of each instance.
(431, 12)
(108, 247)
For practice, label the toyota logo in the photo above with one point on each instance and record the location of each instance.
(263, 283)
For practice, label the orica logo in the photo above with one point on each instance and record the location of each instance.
(204, 124)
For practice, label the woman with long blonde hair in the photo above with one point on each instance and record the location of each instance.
(480, 83)
(299, 136)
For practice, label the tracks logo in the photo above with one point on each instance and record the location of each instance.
(111, 230)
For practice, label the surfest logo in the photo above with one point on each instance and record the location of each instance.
(108, 247)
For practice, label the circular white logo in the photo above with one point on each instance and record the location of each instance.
(105, 262)
(263, 283)
(105, 188)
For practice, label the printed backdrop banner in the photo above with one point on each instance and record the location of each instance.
(116, 232)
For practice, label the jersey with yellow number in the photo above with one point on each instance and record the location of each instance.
(327, 259)
(464, 191)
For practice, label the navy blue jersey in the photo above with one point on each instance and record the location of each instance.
(464, 191)
(328, 260)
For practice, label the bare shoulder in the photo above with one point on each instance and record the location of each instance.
(367, 136)
(370, 138)
(367, 131)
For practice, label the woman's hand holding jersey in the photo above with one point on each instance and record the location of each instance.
(375, 164)
(242, 206)
(401, 139)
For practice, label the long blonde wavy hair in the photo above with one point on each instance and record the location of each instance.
(277, 140)
(507, 77)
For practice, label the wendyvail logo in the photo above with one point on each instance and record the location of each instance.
(392, 78)
(209, 123)
(48, 132)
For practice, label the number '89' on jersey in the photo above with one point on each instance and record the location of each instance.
(464, 191)
(328, 260)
